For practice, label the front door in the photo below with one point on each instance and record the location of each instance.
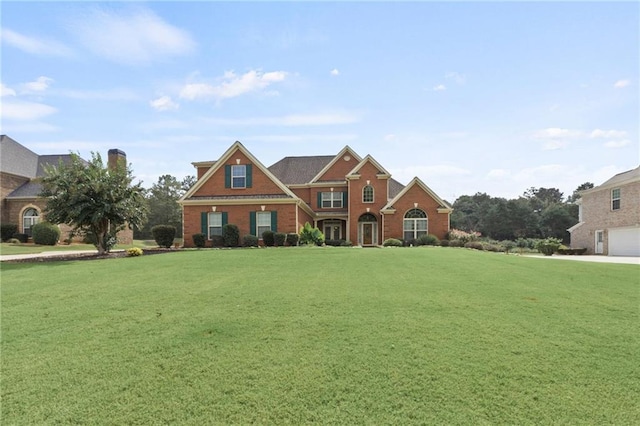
(367, 234)
(599, 242)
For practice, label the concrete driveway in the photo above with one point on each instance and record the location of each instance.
(631, 260)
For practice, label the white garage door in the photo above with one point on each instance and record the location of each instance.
(624, 242)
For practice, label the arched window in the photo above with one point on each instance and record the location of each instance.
(29, 218)
(415, 224)
(367, 194)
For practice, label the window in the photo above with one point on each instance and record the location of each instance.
(367, 194)
(215, 224)
(331, 200)
(263, 222)
(615, 199)
(239, 176)
(415, 224)
(29, 218)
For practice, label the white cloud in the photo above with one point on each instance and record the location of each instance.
(232, 85)
(456, 76)
(552, 145)
(6, 91)
(597, 133)
(98, 95)
(498, 173)
(335, 71)
(132, 36)
(164, 103)
(33, 45)
(25, 110)
(439, 88)
(621, 84)
(556, 133)
(617, 143)
(390, 137)
(39, 85)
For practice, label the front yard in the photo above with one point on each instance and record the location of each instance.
(320, 335)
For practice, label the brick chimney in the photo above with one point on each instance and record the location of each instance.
(116, 157)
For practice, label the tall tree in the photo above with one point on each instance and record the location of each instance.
(91, 197)
(576, 193)
(162, 200)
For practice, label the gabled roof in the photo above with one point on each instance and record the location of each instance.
(17, 159)
(629, 176)
(444, 206)
(369, 159)
(345, 151)
(394, 188)
(299, 170)
(237, 146)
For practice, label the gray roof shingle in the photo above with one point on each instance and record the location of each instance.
(299, 170)
(17, 160)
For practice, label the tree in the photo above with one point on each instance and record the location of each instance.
(92, 198)
(555, 220)
(576, 194)
(162, 201)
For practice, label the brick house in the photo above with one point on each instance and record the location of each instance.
(20, 170)
(609, 217)
(346, 196)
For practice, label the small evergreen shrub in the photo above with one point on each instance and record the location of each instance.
(249, 241)
(7, 230)
(231, 235)
(548, 246)
(199, 240)
(217, 241)
(574, 251)
(292, 239)
(444, 243)
(508, 245)
(456, 243)
(280, 238)
(134, 251)
(45, 233)
(336, 243)
(477, 245)
(427, 240)
(268, 238)
(392, 242)
(497, 248)
(13, 241)
(23, 238)
(164, 235)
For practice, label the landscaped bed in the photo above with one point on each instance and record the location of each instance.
(320, 335)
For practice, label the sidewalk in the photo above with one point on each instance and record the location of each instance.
(9, 257)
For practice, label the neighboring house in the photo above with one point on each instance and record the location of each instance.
(347, 197)
(609, 217)
(20, 170)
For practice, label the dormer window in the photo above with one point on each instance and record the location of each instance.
(367, 194)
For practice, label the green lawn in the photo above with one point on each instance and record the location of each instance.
(320, 335)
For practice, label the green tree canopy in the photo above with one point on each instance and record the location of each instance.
(92, 198)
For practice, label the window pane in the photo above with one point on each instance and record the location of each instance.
(215, 219)
(238, 176)
(264, 219)
(421, 224)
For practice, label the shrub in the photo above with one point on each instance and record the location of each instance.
(477, 245)
(392, 242)
(548, 246)
(444, 243)
(309, 235)
(465, 237)
(134, 251)
(217, 241)
(249, 241)
(336, 243)
(456, 243)
(427, 240)
(45, 233)
(280, 238)
(292, 239)
(164, 235)
(574, 251)
(231, 235)
(199, 240)
(508, 245)
(346, 243)
(7, 230)
(492, 247)
(268, 238)
(13, 241)
(23, 238)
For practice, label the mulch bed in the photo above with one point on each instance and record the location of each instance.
(90, 256)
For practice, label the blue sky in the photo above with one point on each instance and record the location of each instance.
(470, 97)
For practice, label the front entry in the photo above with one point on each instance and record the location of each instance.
(368, 230)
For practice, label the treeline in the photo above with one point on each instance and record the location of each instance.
(537, 213)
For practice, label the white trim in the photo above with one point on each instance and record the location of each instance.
(416, 181)
(353, 174)
(338, 156)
